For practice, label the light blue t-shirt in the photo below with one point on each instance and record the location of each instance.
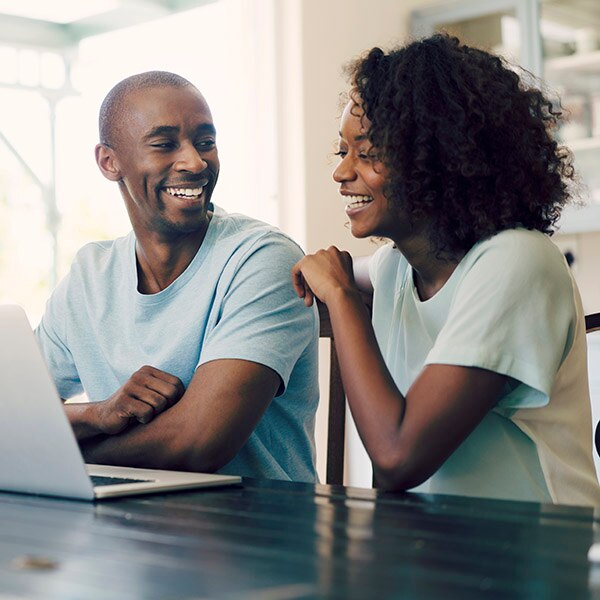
(234, 301)
(512, 307)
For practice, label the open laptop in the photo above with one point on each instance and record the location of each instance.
(38, 450)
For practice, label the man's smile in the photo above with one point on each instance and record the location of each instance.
(188, 191)
(182, 192)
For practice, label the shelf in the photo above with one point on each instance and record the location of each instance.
(584, 63)
(580, 220)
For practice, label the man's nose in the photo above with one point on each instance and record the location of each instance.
(189, 159)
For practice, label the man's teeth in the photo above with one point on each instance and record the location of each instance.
(184, 192)
(356, 201)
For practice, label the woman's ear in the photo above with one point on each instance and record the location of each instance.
(107, 163)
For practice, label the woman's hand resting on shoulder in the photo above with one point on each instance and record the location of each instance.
(323, 274)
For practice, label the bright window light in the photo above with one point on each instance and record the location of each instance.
(57, 11)
(232, 63)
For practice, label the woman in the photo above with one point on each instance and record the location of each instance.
(473, 375)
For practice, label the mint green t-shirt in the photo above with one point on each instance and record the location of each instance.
(512, 307)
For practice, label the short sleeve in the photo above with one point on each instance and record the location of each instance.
(261, 319)
(513, 313)
(51, 337)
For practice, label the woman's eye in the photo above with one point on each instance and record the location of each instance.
(340, 153)
(370, 156)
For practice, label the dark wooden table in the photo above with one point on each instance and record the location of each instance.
(269, 540)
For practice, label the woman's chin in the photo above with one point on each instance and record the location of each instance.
(359, 232)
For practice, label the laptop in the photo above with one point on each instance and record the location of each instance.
(38, 450)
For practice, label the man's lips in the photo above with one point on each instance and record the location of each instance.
(186, 191)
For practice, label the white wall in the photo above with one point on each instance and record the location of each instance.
(321, 37)
(314, 40)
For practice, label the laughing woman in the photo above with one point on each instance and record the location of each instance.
(472, 376)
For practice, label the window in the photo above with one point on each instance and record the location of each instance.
(225, 48)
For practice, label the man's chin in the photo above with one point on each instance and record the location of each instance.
(176, 227)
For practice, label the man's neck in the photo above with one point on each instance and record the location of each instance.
(161, 261)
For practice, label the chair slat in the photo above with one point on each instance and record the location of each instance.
(336, 419)
(592, 322)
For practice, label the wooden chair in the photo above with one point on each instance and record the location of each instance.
(336, 418)
(592, 323)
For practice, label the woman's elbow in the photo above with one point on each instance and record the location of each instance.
(397, 471)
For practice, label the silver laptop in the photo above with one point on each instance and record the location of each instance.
(38, 450)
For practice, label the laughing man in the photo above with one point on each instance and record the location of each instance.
(186, 334)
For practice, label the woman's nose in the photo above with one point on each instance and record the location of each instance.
(344, 171)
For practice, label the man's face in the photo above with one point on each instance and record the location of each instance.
(166, 154)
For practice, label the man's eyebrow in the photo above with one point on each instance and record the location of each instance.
(203, 129)
(206, 128)
(162, 130)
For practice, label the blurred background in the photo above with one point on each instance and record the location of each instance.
(271, 71)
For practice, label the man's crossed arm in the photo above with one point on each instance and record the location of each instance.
(153, 422)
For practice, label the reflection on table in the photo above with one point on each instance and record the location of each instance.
(266, 540)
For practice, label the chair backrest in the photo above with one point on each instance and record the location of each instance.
(336, 419)
(592, 323)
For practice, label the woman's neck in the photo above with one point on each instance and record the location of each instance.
(431, 268)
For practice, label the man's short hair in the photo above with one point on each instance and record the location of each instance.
(112, 109)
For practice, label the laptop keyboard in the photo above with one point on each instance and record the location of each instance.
(98, 480)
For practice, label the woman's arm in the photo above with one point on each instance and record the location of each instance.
(407, 438)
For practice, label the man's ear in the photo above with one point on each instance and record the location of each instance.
(106, 161)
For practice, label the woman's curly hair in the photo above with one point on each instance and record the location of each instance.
(466, 144)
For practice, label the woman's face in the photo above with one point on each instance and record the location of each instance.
(362, 177)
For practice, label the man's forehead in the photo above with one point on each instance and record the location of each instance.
(166, 99)
(162, 110)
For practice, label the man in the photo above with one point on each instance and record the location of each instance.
(186, 334)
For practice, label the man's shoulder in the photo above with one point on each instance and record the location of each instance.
(244, 231)
(102, 254)
(104, 246)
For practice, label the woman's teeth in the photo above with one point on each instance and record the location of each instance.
(184, 192)
(357, 201)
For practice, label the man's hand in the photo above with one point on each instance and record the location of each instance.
(147, 393)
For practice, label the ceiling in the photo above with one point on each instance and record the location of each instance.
(63, 23)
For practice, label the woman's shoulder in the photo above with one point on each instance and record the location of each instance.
(520, 250)
(386, 259)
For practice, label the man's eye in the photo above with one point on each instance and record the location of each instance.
(163, 145)
(205, 145)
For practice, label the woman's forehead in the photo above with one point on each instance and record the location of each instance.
(354, 120)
